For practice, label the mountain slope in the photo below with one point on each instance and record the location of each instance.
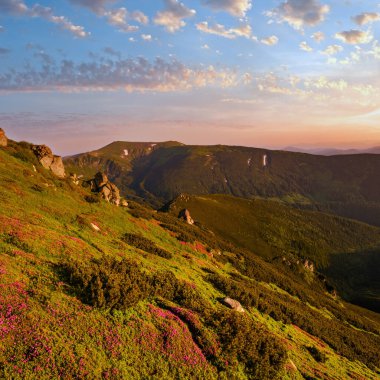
(131, 299)
(347, 185)
(346, 250)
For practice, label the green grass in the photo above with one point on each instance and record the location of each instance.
(52, 327)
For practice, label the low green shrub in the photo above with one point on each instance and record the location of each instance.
(140, 242)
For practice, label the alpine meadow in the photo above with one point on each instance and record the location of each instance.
(189, 189)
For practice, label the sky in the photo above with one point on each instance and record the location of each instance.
(79, 74)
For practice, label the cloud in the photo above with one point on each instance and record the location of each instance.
(237, 8)
(13, 6)
(110, 51)
(96, 6)
(354, 36)
(172, 16)
(305, 47)
(332, 50)
(366, 18)
(4, 51)
(270, 41)
(118, 17)
(300, 13)
(18, 7)
(129, 74)
(2, 29)
(47, 14)
(220, 30)
(146, 37)
(318, 36)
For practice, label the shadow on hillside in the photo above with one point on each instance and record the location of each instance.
(356, 276)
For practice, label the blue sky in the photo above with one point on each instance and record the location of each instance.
(78, 74)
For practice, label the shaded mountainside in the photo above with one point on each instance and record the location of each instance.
(346, 185)
(91, 290)
(347, 251)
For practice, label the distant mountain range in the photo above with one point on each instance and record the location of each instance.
(348, 185)
(333, 151)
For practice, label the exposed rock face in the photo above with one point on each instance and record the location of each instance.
(3, 138)
(233, 304)
(49, 161)
(108, 191)
(185, 215)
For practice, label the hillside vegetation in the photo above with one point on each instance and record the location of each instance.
(139, 295)
(345, 185)
(346, 250)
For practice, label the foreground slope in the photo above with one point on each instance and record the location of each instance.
(139, 298)
(346, 250)
(346, 185)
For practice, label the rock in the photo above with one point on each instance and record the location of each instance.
(290, 366)
(233, 304)
(95, 227)
(123, 203)
(308, 265)
(3, 138)
(49, 161)
(57, 167)
(185, 215)
(74, 179)
(108, 191)
(100, 179)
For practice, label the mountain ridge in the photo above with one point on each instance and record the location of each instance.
(346, 185)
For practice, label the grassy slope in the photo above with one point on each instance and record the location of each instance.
(347, 250)
(47, 332)
(346, 185)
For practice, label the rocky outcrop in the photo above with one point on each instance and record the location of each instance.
(3, 138)
(308, 265)
(49, 161)
(233, 304)
(108, 191)
(185, 215)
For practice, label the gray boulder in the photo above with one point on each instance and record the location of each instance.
(49, 161)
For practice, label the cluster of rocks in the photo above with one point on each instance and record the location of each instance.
(3, 138)
(49, 161)
(107, 190)
(185, 215)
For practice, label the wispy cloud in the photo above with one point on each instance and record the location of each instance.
(318, 36)
(270, 41)
(354, 36)
(97, 6)
(4, 51)
(130, 75)
(332, 49)
(300, 13)
(172, 17)
(366, 18)
(118, 17)
(18, 7)
(243, 30)
(305, 47)
(237, 8)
